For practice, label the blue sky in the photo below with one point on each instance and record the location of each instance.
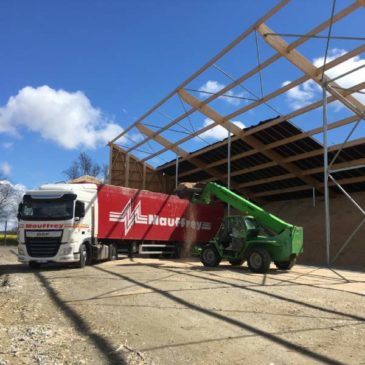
(101, 64)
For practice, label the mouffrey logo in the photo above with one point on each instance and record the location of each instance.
(130, 216)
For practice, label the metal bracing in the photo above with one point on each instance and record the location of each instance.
(328, 175)
(328, 85)
(343, 13)
(280, 91)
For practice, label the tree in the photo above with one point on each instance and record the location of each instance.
(10, 196)
(83, 165)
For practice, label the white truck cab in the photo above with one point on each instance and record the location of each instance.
(58, 223)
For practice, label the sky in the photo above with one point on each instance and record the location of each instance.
(74, 74)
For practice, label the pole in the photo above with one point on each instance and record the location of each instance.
(229, 165)
(325, 177)
(177, 171)
(6, 231)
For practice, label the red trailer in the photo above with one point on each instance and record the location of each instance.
(153, 220)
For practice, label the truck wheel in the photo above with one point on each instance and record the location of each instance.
(285, 265)
(113, 252)
(236, 262)
(258, 260)
(34, 265)
(210, 257)
(83, 256)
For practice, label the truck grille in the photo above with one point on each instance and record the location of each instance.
(42, 246)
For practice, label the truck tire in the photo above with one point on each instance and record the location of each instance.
(236, 262)
(84, 256)
(285, 265)
(210, 257)
(258, 260)
(34, 265)
(113, 252)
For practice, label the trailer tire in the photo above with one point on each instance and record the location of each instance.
(285, 265)
(236, 262)
(84, 256)
(258, 260)
(34, 265)
(113, 252)
(210, 256)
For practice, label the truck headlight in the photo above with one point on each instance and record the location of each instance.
(21, 250)
(66, 251)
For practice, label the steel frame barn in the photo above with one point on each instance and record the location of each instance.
(270, 160)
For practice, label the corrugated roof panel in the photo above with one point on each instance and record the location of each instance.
(260, 174)
(278, 132)
(283, 184)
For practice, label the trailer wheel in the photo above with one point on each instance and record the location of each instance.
(285, 265)
(258, 260)
(236, 262)
(210, 257)
(84, 256)
(113, 252)
(34, 265)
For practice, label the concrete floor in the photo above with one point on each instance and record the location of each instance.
(145, 311)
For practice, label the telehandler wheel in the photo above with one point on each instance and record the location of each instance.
(258, 260)
(285, 265)
(210, 257)
(236, 262)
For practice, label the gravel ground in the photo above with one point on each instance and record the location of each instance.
(150, 311)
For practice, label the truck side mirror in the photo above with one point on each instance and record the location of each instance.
(20, 208)
(79, 209)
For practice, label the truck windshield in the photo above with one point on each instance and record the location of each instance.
(46, 209)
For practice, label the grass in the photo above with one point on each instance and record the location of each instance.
(10, 239)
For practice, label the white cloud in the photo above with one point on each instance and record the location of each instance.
(212, 86)
(310, 91)
(5, 168)
(66, 118)
(7, 145)
(218, 132)
(303, 94)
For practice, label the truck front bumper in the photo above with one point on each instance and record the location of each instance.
(65, 254)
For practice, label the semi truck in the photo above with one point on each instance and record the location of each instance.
(255, 235)
(82, 223)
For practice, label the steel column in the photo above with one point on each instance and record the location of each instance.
(325, 174)
(177, 171)
(229, 163)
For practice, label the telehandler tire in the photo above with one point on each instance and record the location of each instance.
(236, 262)
(258, 260)
(210, 257)
(285, 265)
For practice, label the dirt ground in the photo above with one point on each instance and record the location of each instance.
(150, 311)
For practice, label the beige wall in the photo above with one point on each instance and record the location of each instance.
(344, 219)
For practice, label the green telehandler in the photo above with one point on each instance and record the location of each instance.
(256, 236)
